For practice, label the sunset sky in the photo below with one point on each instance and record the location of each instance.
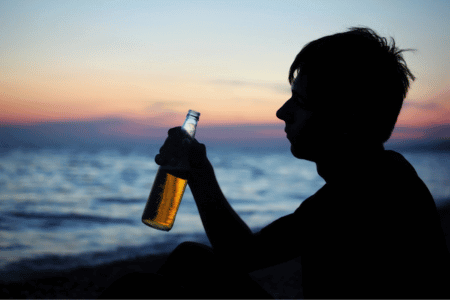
(151, 61)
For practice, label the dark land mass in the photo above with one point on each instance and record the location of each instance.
(439, 145)
(117, 133)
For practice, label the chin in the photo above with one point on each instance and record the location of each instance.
(302, 153)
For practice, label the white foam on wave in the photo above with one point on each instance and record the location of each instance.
(62, 203)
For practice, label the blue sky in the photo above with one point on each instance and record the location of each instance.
(151, 61)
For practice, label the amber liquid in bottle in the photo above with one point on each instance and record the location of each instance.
(164, 200)
(168, 188)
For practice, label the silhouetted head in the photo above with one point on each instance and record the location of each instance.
(347, 89)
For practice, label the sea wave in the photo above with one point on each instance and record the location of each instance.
(61, 208)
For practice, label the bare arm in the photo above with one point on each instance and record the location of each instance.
(230, 237)
(227, 232)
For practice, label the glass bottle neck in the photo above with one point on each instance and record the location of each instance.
(190, 125)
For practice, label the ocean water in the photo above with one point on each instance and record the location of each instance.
(64, 208)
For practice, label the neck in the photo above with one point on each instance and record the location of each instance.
(348, 161)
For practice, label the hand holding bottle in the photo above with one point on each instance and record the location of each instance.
(179, 158)
(180, 146)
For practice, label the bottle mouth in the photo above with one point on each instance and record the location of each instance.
(193, 113)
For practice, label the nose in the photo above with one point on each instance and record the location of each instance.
(283, 114)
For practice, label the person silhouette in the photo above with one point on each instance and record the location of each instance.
(372, 231)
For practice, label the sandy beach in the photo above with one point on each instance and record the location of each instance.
(281, 281)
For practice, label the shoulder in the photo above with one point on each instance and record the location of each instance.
(400, 162)
(312, 202)
(400, 172)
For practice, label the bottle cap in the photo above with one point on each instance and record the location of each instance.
(193, 113)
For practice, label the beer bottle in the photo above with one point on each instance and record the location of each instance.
(169, 185)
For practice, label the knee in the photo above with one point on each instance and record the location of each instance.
(193, 245)
(191, 249)
(188, 256)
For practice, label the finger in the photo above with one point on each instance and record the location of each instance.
(186, 140)
(174, 131)
(159, 159)
(173, 162)
(169, 146)
(163, 148)
(171, 142)
(169, 149)
(178, 152)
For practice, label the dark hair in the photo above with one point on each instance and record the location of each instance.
(358, 74)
